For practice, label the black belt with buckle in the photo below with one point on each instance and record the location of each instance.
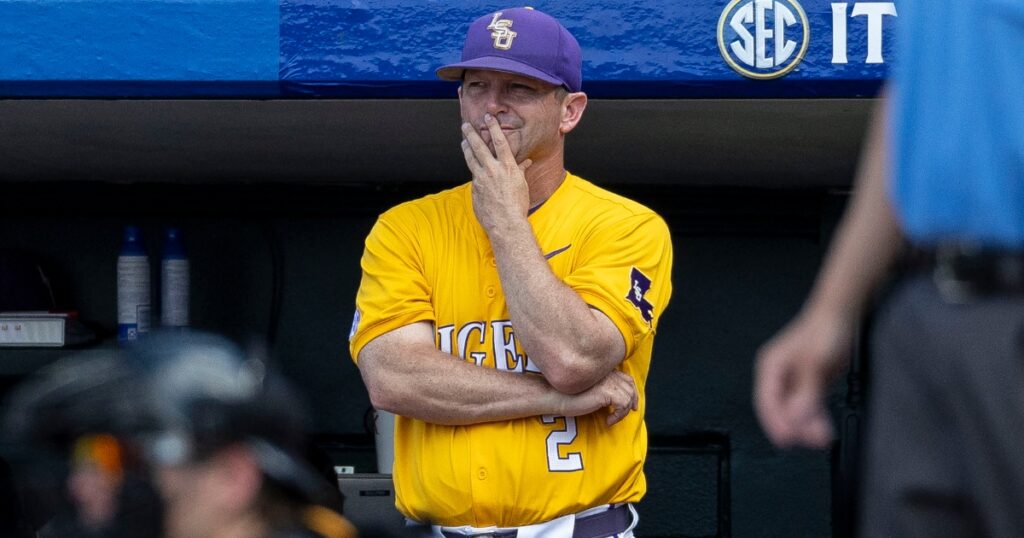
(963, 271)
(600, 525)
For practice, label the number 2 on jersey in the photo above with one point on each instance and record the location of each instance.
(573, 461)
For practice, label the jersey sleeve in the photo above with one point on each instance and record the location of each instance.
(393, 291)
(624, 269)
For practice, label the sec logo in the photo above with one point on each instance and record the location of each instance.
(763, 39)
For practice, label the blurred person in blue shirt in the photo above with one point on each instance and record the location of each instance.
(940, 185)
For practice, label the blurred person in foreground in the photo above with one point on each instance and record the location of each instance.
(94, 482)
(221, 437)
(942, 170)
(75, 474)
(227, 444)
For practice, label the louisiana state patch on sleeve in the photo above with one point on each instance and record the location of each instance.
(639, 287)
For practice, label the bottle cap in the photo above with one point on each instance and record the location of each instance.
(131, 234)
(173, 249)
(132, 244)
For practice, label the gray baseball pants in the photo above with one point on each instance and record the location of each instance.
(945, 446)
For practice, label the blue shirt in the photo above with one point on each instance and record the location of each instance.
(957, 114)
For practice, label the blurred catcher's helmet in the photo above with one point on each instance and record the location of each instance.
(83, 394)
(203, 394)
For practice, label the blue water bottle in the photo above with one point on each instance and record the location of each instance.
(174, 281)
(133, 304)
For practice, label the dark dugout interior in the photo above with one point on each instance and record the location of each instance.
(275, 197)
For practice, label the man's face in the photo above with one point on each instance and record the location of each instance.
(188, 492)
(528, 110)
(94, 492)
(208, 498)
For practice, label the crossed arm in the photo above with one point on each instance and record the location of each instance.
(405, 374)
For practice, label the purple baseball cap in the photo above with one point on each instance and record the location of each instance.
(523, 41)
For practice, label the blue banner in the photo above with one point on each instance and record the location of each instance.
(390, 48)
(630, 48)
(82, 48)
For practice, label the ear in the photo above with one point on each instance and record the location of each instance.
(572, 111)
(239, 476)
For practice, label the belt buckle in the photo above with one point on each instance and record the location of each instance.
(947, 275)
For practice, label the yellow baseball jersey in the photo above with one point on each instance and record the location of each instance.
(430, 260)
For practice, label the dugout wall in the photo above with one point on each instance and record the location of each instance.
(275, 144)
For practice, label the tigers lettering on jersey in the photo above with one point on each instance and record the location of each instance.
(507, 355)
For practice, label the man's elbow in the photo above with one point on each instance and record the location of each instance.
(380, 399)
(571, 386)
(382, 396)
(576, 370)
(574, 377)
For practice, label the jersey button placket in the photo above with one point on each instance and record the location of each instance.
(481, 473)
(490, 291)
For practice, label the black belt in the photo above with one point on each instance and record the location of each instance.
(608, 523)
(601, 525)
(963, 271)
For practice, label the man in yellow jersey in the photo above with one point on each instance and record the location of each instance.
(508, 322)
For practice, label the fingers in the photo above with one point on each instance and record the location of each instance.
(501, 148)
(634, 395)
(476, 144)
(809, 423)
(769, 379)
(624, 397)
(474, 165)
(789, 399)
(617, 414)
(473, 145)
(616, 394)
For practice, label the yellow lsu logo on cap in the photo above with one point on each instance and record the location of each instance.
(501, 33)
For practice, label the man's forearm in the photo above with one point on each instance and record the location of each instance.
(436, 387)
(868, 238)
(557, 329)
